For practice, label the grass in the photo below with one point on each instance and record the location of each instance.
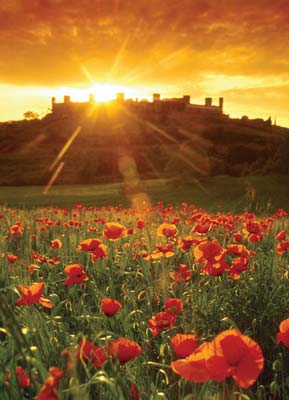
(34, 337)
(260, 194)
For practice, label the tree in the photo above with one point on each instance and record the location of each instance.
(29, 115)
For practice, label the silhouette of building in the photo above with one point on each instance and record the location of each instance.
(154, 107)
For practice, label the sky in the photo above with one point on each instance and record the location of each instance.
(236, 49)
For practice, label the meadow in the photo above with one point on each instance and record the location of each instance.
(159, 302)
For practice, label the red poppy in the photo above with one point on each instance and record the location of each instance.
(167, 230)
(30, 294)
(22, 377)
(281, 235)
(89, 244)
(283, 334)
(12, 258)
(162, 320)
(229, 354)
(99, 252)
(174, 305)
(75, 273)
(17, 229)
(123, 349)
(110, 306)
(89, 352)
(282, 247)
(238, 356)
(184, 344)
(140, 224)
(49, 388)
(135, 394)
(163, 250)
(114, 231)
(55, 244)
(183, 273)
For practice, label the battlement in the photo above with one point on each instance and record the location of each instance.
(157, 105)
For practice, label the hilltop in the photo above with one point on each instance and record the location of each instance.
(114, 142)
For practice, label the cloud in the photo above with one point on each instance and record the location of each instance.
(47, 41)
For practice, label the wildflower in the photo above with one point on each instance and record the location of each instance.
(282, 247)
(140, 224)
(212, 256)
(75, 274)
(22, 377)
(184, 344)
(167, 230)
(55, 244)
(174, 305)
(99, 252)
(89, 352)
(281, 235)
(17, 229)
(114, 231)
(89, 245)
(110, 306)
(11, 258)
(238, 237)
(229, 354)
(165, 250)
(49, 388)
(123, 350)
(182, 274)
(30, 294)
(187, 242)
(162, 320)
(283, 334)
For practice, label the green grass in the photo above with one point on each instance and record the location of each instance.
(260, 194)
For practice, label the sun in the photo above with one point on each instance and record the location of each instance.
(106, 92)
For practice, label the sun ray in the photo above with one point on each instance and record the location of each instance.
(53, 178)
(65, 147)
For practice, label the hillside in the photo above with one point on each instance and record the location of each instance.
(114, 143)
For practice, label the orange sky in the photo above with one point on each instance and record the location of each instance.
(238, 49)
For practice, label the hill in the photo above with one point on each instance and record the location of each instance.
(114, 144)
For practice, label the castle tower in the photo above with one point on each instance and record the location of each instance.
(120, 96)
(186, 99)
(208, 101)
(156, 97)
(66, 99)
(221, 103)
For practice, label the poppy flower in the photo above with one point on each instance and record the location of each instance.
(89, 244)
(167, 230)
(49, 388)
(123, 350)
(283, 334)
(162, 320)
(281, 235)
(229, 354)
(212, 256)
(193, 368)
(163, 250)
(75, 274)
(99, 252)
(114, 231)
(182, 274)
(110, 306)
(238, 237)
(238, 356)
(30, 294)
(17, 229)
(12, 258)
(22, 377)
(55, 244)
(140, 224)
(187, 242)
(184, 344)
(282, 247)
(89, 352)
(174, 305)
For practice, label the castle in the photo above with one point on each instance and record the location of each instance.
(156, 106)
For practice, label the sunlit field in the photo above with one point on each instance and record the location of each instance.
(160, 302)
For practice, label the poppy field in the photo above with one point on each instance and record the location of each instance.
(163, 302)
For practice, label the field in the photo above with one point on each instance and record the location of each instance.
(155, 302)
